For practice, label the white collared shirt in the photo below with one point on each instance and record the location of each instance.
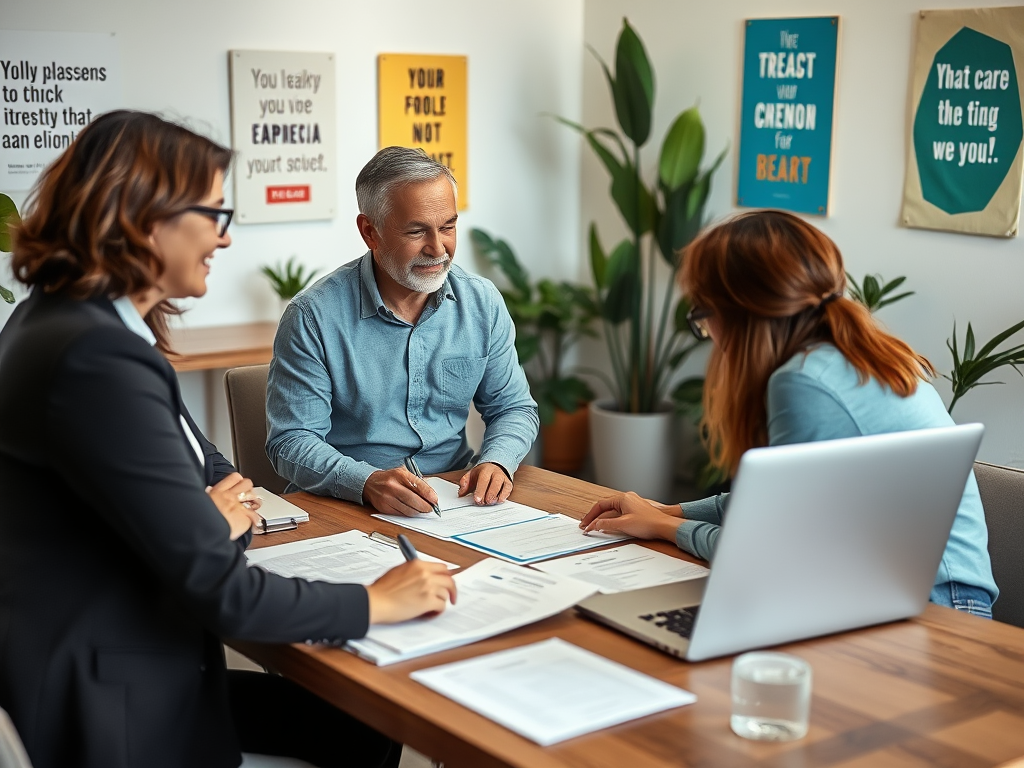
(133, 322)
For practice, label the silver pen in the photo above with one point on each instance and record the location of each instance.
(412, 466)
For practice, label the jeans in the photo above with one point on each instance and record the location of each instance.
(963, 597)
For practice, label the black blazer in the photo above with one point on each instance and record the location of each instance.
(117, 574)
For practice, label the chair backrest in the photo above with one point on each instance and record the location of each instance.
(12, 751)
(247, 412)
(1002, 494)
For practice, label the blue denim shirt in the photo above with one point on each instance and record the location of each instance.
(818, 395)
(353, 388)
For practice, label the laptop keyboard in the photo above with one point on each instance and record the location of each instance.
(679, 622)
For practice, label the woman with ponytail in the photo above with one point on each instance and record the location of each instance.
(794, 361)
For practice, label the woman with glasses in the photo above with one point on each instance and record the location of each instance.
(794, 361)
(122, 528)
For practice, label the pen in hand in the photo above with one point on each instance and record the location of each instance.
(412, 466)
(408, 550)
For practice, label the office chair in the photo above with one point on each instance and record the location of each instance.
(12, 752)
(1002, 494)
(246, 390)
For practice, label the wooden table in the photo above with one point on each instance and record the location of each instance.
(222, 346)
(943, 689)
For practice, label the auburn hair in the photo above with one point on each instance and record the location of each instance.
(88, 219)
(773, 287)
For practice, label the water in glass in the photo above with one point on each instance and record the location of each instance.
(771, 696)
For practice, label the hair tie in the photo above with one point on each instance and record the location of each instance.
(828, 299)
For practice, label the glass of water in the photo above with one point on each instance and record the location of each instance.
(771, 696)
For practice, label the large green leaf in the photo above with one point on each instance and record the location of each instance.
(623, 279)
(676, 229)
(499, 253)
(598, 260)
(8, 216)
(682, 150)
(633, 86)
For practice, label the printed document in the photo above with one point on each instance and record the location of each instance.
(351, 557)
(552, 690)
(448, 495)
(465, 519)
(622, 568)
(538, 539)
(493, 597)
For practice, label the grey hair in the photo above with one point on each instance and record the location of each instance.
(389, 169)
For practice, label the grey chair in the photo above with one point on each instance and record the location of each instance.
(12, 751)
(1002, 494)
(246, 390)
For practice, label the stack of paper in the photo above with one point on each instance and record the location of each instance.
(277, 513)
(624, 568)
(493, 597)
(552, 690)
(351, 557)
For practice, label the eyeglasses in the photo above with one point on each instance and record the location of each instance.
(220, 216)
(698, 320)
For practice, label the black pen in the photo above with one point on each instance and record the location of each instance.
(408, 550)
(412, 466)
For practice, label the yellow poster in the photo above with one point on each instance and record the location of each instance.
(421, 102)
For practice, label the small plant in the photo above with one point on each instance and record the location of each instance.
(873, 291)
(289, 279)
(549, 317)
(968, 371)
(8, 216)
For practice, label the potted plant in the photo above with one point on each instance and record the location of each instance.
(288, 280)
(8, 216)
(550, 318)
(646, 334)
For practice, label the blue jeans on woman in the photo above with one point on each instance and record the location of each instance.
(963, 597)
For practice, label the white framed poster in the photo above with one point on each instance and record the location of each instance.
(283, 131)
(52, 85)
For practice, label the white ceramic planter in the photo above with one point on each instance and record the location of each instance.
(633, 452)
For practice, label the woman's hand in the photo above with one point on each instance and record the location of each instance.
(410, 590)
(235, 500)
(628, 513)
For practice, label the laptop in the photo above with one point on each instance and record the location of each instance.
(818, 538)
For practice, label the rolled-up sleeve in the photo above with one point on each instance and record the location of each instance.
(503, 397)
(698, 533)
(299, 395)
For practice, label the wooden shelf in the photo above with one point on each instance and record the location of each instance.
(222, 346)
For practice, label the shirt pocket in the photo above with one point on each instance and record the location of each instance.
(460, 378)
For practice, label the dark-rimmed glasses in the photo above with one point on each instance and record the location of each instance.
(698, 320)
(220, 216)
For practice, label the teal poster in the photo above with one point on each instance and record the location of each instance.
(964, 169)
(789, 79)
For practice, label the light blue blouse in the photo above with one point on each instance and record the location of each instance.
(818, 396)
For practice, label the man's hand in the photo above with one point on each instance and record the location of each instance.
(488, 483)
(398, 492)
(628, 513)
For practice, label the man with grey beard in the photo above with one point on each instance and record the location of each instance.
(380, 360)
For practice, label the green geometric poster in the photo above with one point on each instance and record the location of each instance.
(964, 167)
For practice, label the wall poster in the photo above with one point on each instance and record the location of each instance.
(786, 119)
(964, 156)
(52, 85)
(283, 129)
(421, 102)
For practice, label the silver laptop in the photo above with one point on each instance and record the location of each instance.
(818, 538)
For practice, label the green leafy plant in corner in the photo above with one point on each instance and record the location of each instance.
(8, 216)
(874, 292)
(550, 318)
(289, 279)
(969, 369)
(647, 339)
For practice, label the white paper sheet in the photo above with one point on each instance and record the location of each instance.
(448, 495)
(622, 568)
(493, 597)
(465, 519)
(552, 690)
(276, 510)
(538, 539)
(351, 557)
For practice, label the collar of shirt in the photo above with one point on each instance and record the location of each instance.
(132, 319)
(372, 304)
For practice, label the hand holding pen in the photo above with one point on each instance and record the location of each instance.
(416, 588)
(400, 491)
(412, 466)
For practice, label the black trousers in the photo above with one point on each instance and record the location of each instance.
(316, 731)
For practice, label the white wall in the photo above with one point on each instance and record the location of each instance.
(696, 48)
(525, 59)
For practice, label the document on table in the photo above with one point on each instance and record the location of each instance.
(494, 597)
(448, 495)
(538, 539)
(552, 690)
(465, 519)
(351, 557)
(622, 568)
